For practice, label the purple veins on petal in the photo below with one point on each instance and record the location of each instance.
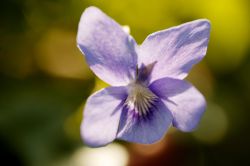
(148, 129)
(140, 99)
(148, 92)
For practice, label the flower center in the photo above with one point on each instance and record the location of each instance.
(140, 99)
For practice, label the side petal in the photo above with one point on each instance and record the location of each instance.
(174, 51)
(101, 116)
(109, 51)
(185, 102)
(145, 130)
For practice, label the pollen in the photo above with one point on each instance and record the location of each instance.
(140, 99)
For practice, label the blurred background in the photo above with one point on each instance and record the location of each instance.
(45, 81)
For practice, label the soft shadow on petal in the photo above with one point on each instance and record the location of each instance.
(145, 130)
(167, 87)
(109, 51)
(101, 116)
(185, 102)
(175, 50)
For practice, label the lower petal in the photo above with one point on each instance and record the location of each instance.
(145, 130)
(102, 115)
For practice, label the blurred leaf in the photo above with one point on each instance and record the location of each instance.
(33, 113)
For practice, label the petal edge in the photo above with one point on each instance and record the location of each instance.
(102, 115)
(175, 50)
(185, 102)
(109, 51)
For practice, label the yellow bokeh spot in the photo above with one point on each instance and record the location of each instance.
(57, 54)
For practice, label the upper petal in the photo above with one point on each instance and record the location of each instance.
(145, 130)
(174, 51)
(185, 102)
(101, 116)
(110, 52)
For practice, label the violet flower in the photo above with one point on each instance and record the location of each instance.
(147, 92)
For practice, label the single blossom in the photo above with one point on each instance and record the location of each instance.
(147, 93)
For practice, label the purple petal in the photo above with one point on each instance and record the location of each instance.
(109, 51)
(185, 102)
(101, 116)
(146, 130)
(174, 51)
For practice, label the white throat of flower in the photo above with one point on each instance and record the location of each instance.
(140, 98)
